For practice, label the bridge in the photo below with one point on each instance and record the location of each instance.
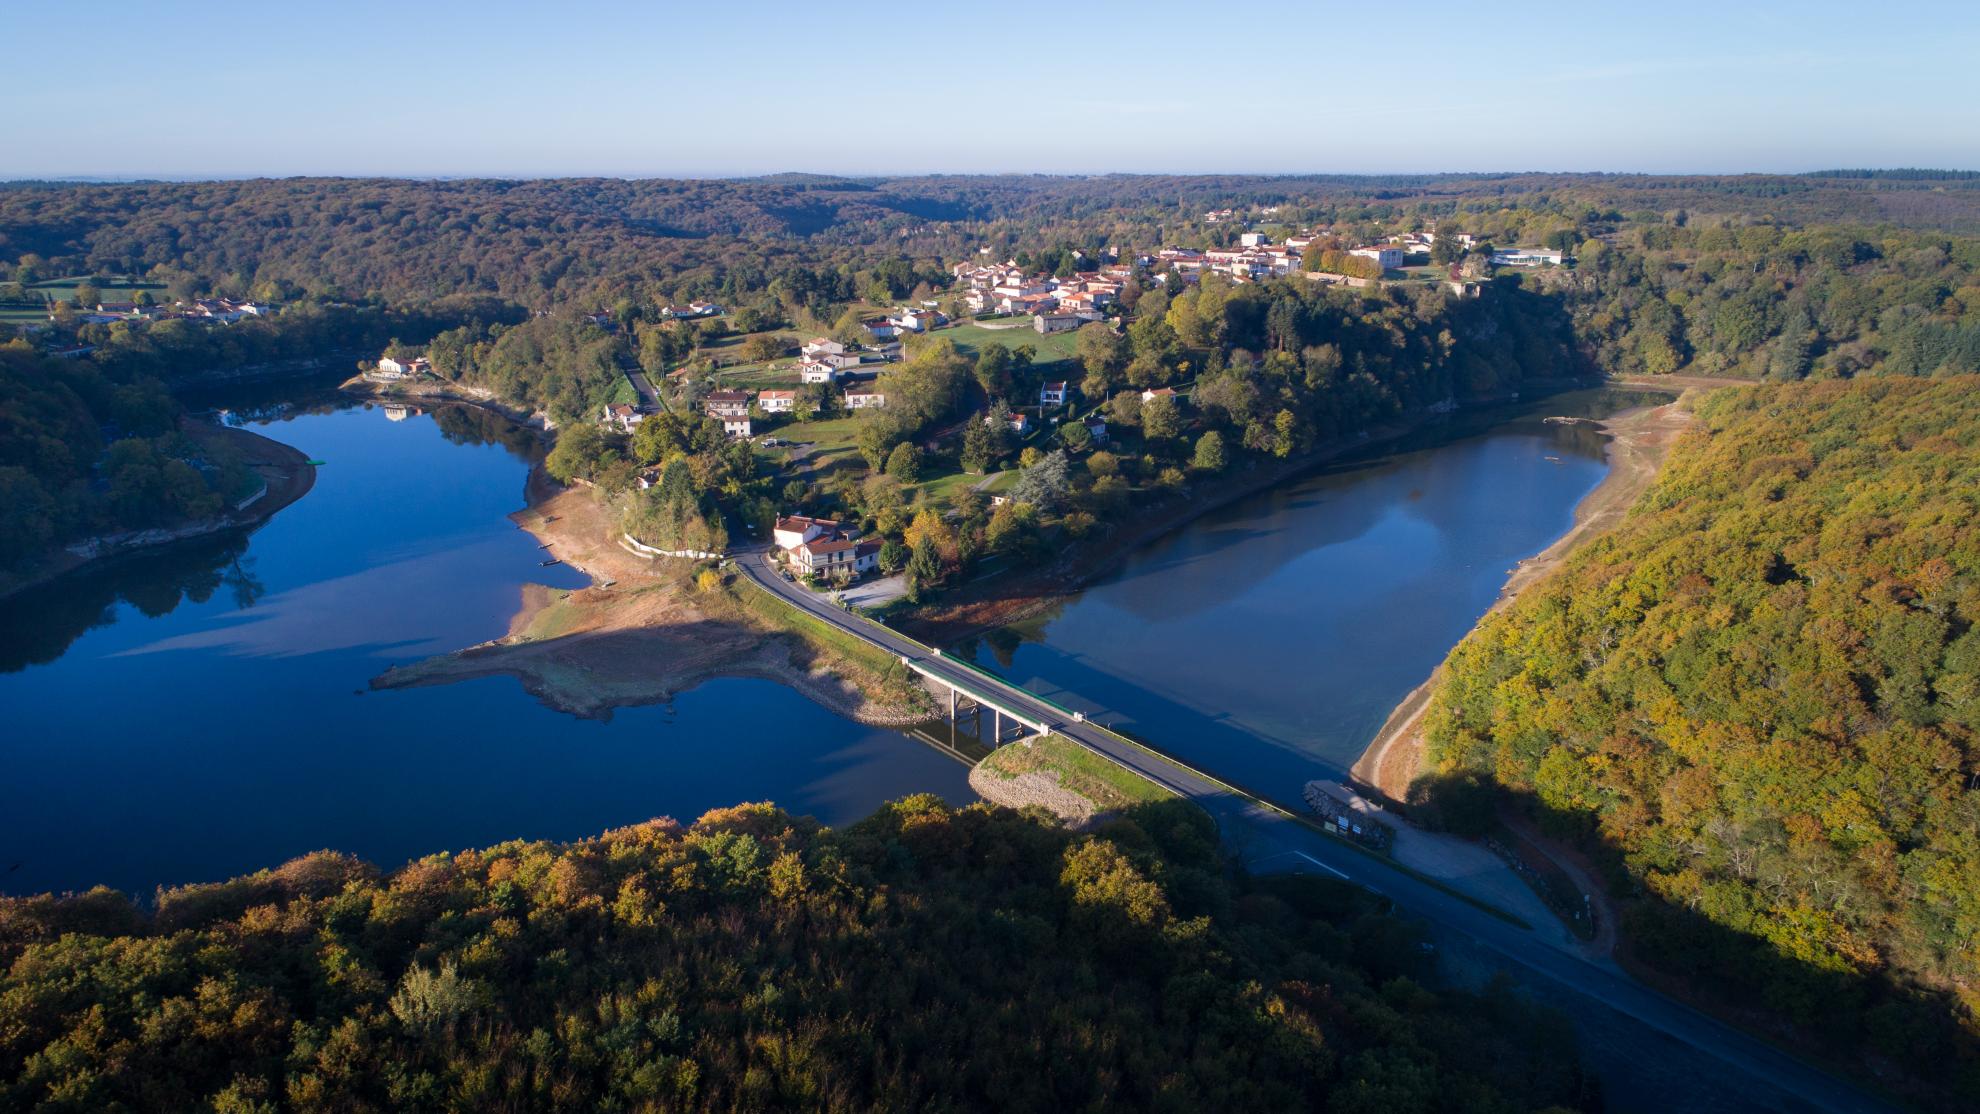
(966, 698)
(1602, 999)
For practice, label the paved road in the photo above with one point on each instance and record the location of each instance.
(1269, 838)
(649, 399)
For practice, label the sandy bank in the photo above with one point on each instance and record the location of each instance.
(640, 634)
(1639, 441)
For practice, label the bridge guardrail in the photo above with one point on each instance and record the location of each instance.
(1236, 791)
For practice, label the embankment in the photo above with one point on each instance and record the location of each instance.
(284, 469)
(644, 630)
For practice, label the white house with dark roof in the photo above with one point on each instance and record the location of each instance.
(1053, 393)
(726, 404)
(827, 557)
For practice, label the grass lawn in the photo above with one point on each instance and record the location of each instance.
(941, 489)
(1108, 785)
(971, 339)
(755, 377)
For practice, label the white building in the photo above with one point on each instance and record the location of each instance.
(791, 531)
(776, 402)
(623, 417)
(1387, 256)
(1527, 257)
(866, 398)
(828, 557)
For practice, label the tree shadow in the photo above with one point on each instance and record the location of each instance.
(1893, 1032)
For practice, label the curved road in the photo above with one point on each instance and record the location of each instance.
(1259, 833)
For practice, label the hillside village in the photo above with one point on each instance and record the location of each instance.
(1012, 406)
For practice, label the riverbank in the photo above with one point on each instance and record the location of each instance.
(645, 630)
(1006, 598)
(284, 470)
(1639, 441)
(433, 391)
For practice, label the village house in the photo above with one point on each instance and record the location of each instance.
(826, 558)
(1053, 393)
(791, 531)
(866, 398)
(1018, 423)
(390, 368)
(1049, 323)
(776, 402)
(817, 371)
(736, 427)
(1387, 256)
(1096, 426)
(623, 417)
(881, 328)
(726, 404)
(692, 309)
(822, 346)
(916, 320)
(1159, 392)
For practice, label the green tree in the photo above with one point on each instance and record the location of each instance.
(1161, 418)
(1209, 455)
(904, 463)
(980, 446)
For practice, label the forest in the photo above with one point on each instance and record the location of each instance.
(925, 958)
(1758, 701)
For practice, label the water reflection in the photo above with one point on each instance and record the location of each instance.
(1268, 640)
(203, 710)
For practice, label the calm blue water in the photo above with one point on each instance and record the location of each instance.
(1267, 642)
(202, 712)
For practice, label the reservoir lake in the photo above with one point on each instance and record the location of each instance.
(202, 711)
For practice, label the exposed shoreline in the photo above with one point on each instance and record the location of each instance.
(1639, 440)
(640, 633)
(285, 469)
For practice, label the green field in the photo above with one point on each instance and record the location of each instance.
(116, 290)
(755, 377)
(971, 339)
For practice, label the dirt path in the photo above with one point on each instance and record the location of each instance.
(1639, 440)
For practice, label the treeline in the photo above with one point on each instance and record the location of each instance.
(1759, 700)
(1763, 301)
(926, 958)
(83, 451)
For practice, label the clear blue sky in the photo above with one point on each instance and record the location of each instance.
(721, 88)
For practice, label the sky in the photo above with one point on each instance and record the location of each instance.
(733, 87)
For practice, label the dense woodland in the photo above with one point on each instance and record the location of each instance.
(924, 959)
(1759, 700)
(1752, 700)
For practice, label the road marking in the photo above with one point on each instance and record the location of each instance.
(1321, 865)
